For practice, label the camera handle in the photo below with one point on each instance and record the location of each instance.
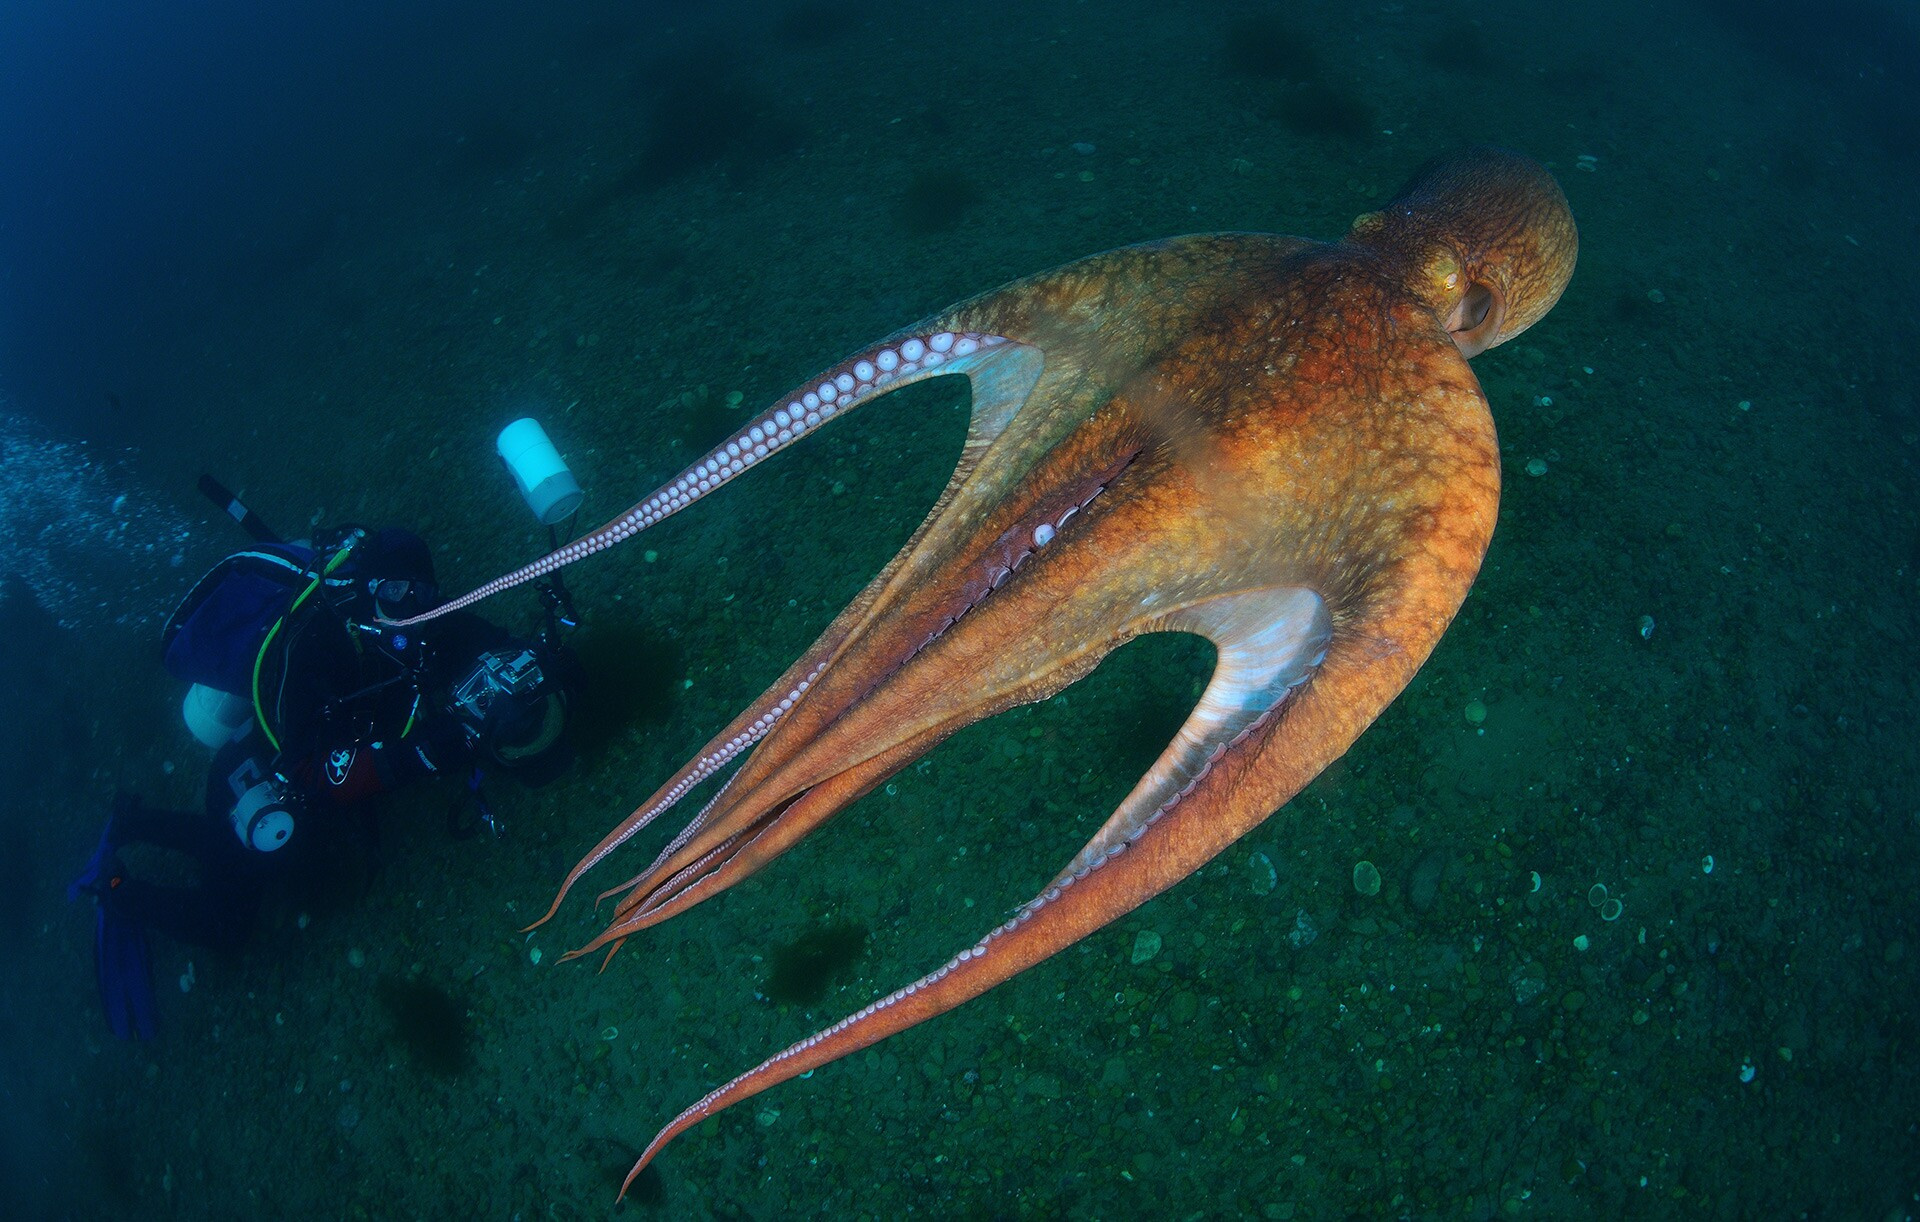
(457, 824)
(556, 601)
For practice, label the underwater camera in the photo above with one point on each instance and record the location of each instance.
(513, 709)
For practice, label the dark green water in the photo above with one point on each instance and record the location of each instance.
(328, 259)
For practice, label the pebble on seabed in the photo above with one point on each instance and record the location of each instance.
(1146, 944)
(1265, 877)
(1366, 878)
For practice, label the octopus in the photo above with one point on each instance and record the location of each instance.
(1272, 442)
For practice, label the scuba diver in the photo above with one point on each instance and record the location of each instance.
(313, 705)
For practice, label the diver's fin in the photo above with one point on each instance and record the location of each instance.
(122, 962)
(124, 967)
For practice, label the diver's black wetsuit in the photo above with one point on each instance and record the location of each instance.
(338, 764)
(219, 910)
(354, 715)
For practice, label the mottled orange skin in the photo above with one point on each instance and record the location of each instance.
(1262, 412)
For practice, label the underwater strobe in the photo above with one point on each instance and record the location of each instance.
(539, 472)
(262, 813)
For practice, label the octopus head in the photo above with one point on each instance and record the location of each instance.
(1483, 238)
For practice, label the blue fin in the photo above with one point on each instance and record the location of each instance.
(122, 963)
(125, 969)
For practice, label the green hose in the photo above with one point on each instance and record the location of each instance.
(260, 658)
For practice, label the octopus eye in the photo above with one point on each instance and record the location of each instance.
(1444, 273)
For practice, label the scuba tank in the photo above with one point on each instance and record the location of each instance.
(213, 716)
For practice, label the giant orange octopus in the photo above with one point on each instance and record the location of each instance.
(1272, 442)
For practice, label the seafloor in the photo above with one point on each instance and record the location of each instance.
(1693, 645)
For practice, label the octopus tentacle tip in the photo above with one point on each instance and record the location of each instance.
(548, 915)
(632, 1175)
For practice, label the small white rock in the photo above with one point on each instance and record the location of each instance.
(1146, 944)
(1265, 877)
